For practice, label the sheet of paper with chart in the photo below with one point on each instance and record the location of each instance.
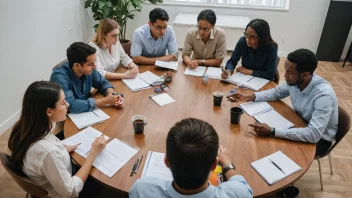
(155, 166)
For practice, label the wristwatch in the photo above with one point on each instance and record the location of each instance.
(273, 132)
(202, 62)
(228, 167)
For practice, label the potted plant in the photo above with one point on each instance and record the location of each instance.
(119, 10)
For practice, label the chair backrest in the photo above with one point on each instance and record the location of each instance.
(21, 179)
(343, 126)
(277, 75)
(59, 64)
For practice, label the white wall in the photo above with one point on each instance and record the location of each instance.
(34, 37)
(300, 27)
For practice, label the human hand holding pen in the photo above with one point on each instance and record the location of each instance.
(98, 145)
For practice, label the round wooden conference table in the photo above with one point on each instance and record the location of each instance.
(194, 99)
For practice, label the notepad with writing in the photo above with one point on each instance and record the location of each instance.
(136, 84)
(275, 167)
(155, 166)
(86, 119)
(247, 81)
(169, 65)
(255, 108)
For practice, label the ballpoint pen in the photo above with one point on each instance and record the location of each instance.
(96, 114)
(134, 167)
(140, 161)
(90, 149)
(277, 166)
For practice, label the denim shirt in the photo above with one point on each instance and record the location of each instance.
(77, 90)
(316, 104)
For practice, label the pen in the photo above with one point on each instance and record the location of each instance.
(96, 114)
(99, 137)
(140, 161)
(153, 95)
(134, 167)
(277, 166)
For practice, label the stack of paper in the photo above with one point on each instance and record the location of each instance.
(275, 167)
(214, 72)
(136, 84)
(170, 65)
(155, 167)
(199, 71)
(255, 108)
(111, 159)
(85, 119)
(264, 113)
(150, 78)
(163, 99)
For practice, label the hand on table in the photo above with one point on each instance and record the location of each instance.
(261, 129)
(192, 64)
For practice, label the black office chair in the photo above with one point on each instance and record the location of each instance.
(348, 55)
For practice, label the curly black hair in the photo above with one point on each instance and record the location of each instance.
(305, 59)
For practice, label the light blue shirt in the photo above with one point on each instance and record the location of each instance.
(316, 104)
(143, 44)
(149, 187)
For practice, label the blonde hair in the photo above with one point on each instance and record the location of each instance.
(105, 26)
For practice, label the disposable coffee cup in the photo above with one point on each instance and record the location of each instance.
(138, 123)
(236, 113)
(217, 98)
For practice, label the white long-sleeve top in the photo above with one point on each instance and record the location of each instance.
(47, 163)
(107, 62)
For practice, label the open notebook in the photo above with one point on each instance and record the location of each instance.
(110, 160)
(86, 119)
(264, 113)
(143, 81)
(199, 71)
(275, 167)
(247, 81)
(155, 166)
(169, 65)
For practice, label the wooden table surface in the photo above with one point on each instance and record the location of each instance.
(194, 99)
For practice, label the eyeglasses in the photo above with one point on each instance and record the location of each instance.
(203, 29)
(250, 37)
(115, 36)
(159, 27)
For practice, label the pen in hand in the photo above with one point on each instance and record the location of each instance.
(99, 137)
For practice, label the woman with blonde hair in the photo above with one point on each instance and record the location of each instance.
(110, 52)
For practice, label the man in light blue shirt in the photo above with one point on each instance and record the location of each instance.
(312, 98)
(191, 153)
(151, 41)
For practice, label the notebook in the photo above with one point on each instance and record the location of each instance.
(155, 166)
(162, 99)
(170, 65)
(274, 120)
(255, 108)
(199, 71)
(110, 160)
(269, 167)
(136, 84)
(247, 81)
(86, 119)
(150, 78)
(264, 113)
(213, 72)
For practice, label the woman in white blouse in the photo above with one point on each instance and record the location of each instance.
(39, 153)
(110, 52)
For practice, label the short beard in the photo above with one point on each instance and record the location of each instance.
(298, 82)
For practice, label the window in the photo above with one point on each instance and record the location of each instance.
(256, 4)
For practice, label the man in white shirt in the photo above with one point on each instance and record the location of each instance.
(192, 147)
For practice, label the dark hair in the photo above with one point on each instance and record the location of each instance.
(305, 59)
(208, 15)
(261, 27)
(191, 148)
(34, 123)
(158, 13)
(78, 53)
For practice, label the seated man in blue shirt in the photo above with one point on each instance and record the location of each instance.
(78, 75)
(191, 153)
(312, 98)
(150, 41)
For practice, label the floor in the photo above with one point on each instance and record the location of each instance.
(337, 185)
